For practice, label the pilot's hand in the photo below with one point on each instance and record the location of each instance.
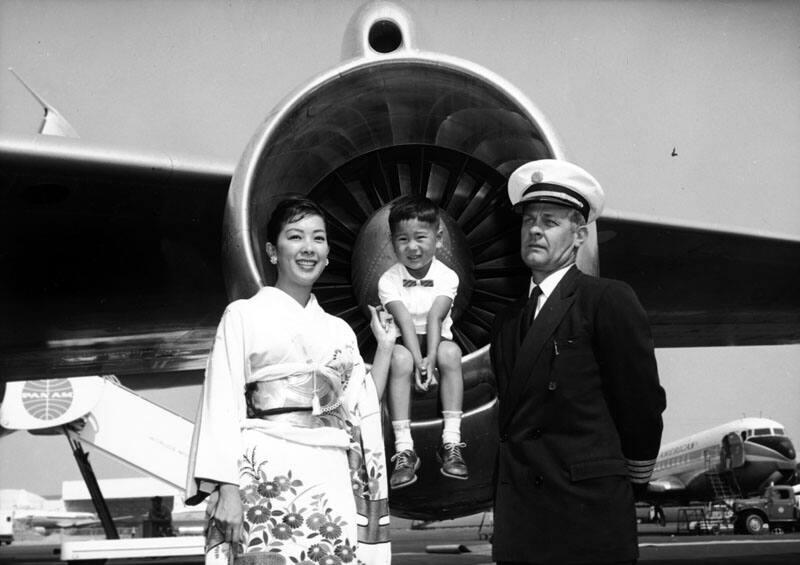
(228, 513)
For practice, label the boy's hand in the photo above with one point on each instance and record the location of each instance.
(421, 376)
(430, 367)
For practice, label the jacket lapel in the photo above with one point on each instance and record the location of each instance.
(533, 346)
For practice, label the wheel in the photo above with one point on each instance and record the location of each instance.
(753, 523)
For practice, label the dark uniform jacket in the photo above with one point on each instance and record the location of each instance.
(579, 420)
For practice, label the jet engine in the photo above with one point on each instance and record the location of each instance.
(393, 120)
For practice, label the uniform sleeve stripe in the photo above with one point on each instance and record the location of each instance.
(640, 462)
(640, 471)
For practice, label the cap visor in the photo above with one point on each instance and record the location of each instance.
(549, 199)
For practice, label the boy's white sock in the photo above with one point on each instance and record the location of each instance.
(402, 435)
(452, 426)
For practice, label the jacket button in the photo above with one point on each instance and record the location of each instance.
(538, 481)
(552, 385)
(536, 434)
(503, 437)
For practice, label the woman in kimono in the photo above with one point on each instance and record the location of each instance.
(288, 445)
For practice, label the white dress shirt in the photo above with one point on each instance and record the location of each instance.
(548, 285)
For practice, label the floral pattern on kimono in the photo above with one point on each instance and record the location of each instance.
(310, 467)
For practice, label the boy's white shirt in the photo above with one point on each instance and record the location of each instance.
(419, 299)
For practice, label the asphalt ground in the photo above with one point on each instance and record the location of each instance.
(464, 546)
(409, 548)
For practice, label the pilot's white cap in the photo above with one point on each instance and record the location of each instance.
(559, 182)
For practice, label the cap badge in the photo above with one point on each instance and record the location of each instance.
(537, 177)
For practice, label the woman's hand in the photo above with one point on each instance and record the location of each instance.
(228, 512)
(385, 331)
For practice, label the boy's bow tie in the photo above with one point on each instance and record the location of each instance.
(414, 282)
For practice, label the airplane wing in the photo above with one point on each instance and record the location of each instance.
(110, 260)
(56, 519)
(702, 284)
(666, 485)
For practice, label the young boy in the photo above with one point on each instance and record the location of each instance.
(418, 291)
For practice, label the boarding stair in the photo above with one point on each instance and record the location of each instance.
(724, 485)
(719, 512)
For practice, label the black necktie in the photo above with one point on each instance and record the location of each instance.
(414, 282)
(526, 319)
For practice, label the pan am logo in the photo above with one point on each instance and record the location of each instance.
(48, 399)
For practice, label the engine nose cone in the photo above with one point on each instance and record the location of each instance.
(373, 254)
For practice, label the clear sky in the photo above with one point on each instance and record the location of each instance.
(621, 82)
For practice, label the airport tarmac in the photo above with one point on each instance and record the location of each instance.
(409, 548)
(462, 546)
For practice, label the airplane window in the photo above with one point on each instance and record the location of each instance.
(744, 436)
(762, 432)
(778, 431)
(782, 445)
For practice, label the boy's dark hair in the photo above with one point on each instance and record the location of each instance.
(413, 207)
(290, 210)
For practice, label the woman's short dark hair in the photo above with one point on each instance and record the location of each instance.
(290, 210)
(413, 207)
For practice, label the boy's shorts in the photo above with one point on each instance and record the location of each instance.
(423, 342)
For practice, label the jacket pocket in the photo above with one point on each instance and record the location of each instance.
(597, 468)
(574, 342)
(574, 366)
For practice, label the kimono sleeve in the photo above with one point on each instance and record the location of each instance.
(368, 465)
(216, 444)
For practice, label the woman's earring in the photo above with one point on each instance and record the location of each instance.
(273, 260)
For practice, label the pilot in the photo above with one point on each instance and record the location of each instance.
(579, 396)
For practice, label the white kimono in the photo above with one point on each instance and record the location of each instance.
(290, 415)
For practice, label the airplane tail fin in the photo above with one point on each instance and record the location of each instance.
(53, 122)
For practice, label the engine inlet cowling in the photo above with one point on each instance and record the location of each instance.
(395, 121)
(370, 131)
